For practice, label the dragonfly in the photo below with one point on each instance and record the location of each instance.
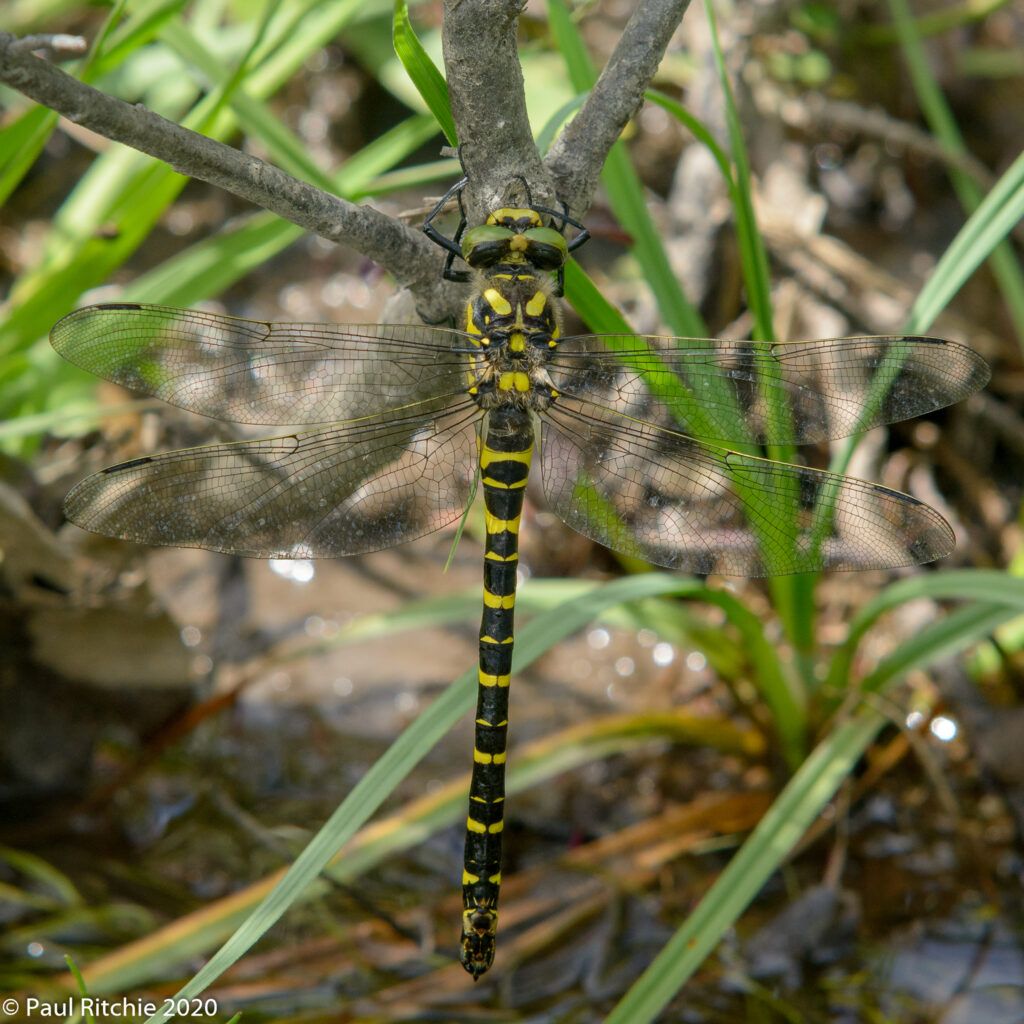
(650, 446)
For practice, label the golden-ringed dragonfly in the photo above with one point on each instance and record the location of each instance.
(646, 445)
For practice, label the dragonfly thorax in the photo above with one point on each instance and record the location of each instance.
(513, 319)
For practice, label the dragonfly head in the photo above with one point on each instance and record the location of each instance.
(515, 236)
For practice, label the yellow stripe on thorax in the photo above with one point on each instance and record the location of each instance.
(497, 301)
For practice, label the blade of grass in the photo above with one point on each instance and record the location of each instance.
(284, 147)
(793, 596)
(137, 963)
(422, 71)
(939, 640)
(754, 258)
(979, 585)
(940, 117)
(933, 23)
(21, 142)
(210, 266)
(145, 22)
(141, 200)
(626, 194)
(993, 219)
(1001, 209)
(201, 270)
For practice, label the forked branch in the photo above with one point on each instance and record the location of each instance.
(485, 85)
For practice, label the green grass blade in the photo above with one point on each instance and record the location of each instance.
(753, 256)
(215, 263)
(626, 194)
(554, 123)
(142, 960)
(136, 190)
(932, 23)
(959, 629)
(142, 27)
(20, 143)
(586, 298)
(793, 596)
(423, 72)
(699, 132)
(994, 217)
(759, 857)
(284, 147)
(940, 117)
(984, 586)
(404, 178)
(130, 182)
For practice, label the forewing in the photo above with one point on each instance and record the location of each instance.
(677, 502)
(344, 490)
(248, 371)
(745, 391)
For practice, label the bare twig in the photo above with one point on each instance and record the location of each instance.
(485, 86)
(402, 251)
(576, 158)
(59, 43)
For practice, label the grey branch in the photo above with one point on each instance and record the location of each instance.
(404, 252)
(579, 153)
(59, 43)
(485, 84)
(485, 87)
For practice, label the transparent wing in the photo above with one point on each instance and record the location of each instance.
(745, 391)
(248, 371)
(348, 489)
(668, 499)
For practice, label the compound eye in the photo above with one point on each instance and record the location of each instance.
(545, 257)
(546, 248)
(485, 245)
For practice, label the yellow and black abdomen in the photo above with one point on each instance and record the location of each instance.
(505, 452)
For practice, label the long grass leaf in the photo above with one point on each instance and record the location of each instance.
(793, 596)
(978, 585)
(940, 117)
(423, 71)
(626, 193)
